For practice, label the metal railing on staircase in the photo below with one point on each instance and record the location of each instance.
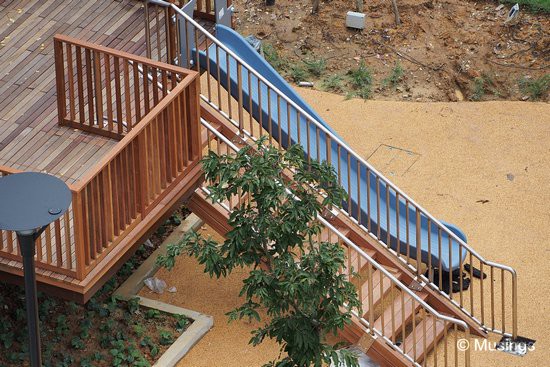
(372, 278)
(493, 306)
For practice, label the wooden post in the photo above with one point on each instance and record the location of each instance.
(171, 35)
(60, 81)
(79, 241)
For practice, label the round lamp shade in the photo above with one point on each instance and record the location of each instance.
(31, 200)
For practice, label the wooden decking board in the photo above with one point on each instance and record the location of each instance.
(30, 136)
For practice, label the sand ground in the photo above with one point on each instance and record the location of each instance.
(483, 166)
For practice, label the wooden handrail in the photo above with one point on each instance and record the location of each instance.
(120, 190)
(153, 156)
(105, 91)
(94, 171)
(122, 54)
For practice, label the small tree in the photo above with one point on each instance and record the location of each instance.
(293, 276)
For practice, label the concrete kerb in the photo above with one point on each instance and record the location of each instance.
(131, 287)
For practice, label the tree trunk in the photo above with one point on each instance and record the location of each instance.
(396, 12)
(269, 2)
(359, 5)
(315, 4)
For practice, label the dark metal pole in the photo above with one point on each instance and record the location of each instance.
(27, 248)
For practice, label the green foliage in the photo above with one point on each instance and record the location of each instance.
(361, 80)
(395, 76)
(361, 77)
(175, 219)
(68, 329)
(272, 56)
(292, 276)
(86, 362)
(334, 83)
(478, 90)
(165, 337)
(316, 66)
(139, 330)
(133, 304)
(125, 354)
(77, 343)
(152, 314)
(61, 327)
(483, 85)
(148, 343)
(181, 323)
(298, 74)
(535, 88)
(537, 6)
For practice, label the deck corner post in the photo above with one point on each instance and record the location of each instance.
(79, 244)
(60, 80)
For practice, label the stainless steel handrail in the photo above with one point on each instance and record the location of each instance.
(372, 170)
(362, 253)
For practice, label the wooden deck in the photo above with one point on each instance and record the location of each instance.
(108, 216)
(30, 138)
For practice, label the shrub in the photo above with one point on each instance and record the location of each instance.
(316, 66)
(535, 88)
(395, 76)
(273, 236)
(334, 83)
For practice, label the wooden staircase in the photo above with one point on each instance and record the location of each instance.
(404, 332)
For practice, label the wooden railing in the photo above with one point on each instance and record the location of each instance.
(122, 188)
(55, 248)
(158, 147)
(203, 10)
(161, 31)
(104, 91)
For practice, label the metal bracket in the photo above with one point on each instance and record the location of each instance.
(416, 286)
(518, 346)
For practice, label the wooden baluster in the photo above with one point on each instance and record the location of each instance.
(58, 248)
(137, 94)
(68, 240)
(146, 98)
(60, 81)
(108, 93)
(127, 95)
(89, 87)
(80, 85)
(98, 89)
(143, 173)
(90, 207)
(115, 177)
(48, 235)
(118, 95)
(70, 77)
(131, 181)
(9, 235)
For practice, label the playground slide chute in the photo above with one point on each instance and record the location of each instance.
(288, 126)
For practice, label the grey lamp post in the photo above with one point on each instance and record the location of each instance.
(29, 202)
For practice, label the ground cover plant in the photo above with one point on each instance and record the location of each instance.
(104, 332)
(542, 6)
(435, 43)
(295, 278)
(535, 88)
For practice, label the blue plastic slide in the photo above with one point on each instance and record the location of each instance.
(285, 130)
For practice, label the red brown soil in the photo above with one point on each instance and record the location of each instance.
(442, 45)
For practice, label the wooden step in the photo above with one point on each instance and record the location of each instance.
(403, 311)
(356, 261)
(378, 291)
(416, 345)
